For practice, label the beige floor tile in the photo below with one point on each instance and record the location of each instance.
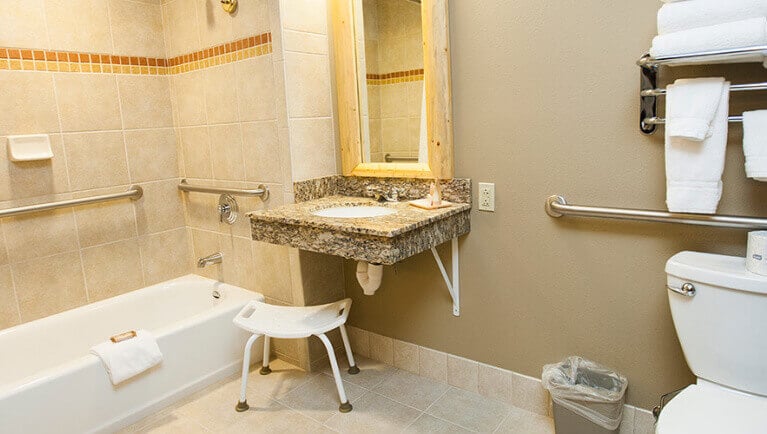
(279, 419)
(283, 379)
(524, 422)
(528, 394)
(644, 422)
(374, 413)
(372, 373)
(627, 424)
(318, 398)
(166, 423)
(469, 410)
(430, 424)
(412, 390)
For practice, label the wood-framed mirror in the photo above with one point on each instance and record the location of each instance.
(392, 66)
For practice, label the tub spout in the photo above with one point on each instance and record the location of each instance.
(215, 258)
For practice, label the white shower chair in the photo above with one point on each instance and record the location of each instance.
(290, 322)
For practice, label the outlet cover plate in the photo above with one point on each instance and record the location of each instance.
(486, 196)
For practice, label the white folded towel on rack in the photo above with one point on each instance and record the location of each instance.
(693, 167)
(130, 357)
(755, 144)
(738, 34)
(691, 105)
(686, 15)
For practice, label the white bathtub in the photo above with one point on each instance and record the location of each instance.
(49, 383)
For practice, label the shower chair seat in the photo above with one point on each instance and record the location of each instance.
(292, 322)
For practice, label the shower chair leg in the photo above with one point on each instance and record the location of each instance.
(265, 370)
(242, 405)
(353, 369)
(345, 406)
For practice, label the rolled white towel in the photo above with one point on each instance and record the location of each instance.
(128, 358)
(686, 15)
(694, 168)
(755, 144)
(737, 34)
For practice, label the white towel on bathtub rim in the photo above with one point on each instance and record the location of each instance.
(126, 359)
(694, 168)
(755, 144)
(737, 34)
(686, 15)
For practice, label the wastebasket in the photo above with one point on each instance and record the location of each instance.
(588, 398)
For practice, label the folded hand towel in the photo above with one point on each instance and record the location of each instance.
(128, 358)
(755, 144)
(686, 15)
(738, 34)
(694, 168)
(691, 105)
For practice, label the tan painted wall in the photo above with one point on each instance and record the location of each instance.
(545, 99)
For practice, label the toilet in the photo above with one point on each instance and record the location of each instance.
(720, 315)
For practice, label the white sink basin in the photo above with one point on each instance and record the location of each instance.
(354, 212)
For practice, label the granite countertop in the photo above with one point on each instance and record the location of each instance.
(407, 217)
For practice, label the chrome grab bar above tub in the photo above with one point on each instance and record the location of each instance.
(261, 190)
(134, 193)
(557, 206)
(389, 158)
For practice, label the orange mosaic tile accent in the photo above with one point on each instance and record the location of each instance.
(395, 77)
(20, 59)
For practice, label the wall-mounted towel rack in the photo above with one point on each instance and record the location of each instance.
(557, 206)
(261, 190)
(649, 66)
(134, 193)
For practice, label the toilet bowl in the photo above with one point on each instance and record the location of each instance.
(720, 315)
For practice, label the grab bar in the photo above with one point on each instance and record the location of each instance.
(391, 158)
(261, 190)
(134, 193)
(557, 206)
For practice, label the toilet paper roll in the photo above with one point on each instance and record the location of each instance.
(756, 253)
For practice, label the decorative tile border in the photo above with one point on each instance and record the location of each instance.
(395, 77)
(20, 59)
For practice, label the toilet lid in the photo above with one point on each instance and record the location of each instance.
(709, 409)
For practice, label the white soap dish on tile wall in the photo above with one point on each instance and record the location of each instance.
(31, 147)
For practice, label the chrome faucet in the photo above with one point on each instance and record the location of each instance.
(379, 194)
(215, 258)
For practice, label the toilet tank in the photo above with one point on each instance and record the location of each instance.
(723, 327)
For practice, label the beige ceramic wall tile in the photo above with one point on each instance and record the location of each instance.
(88, 102)
(27, 103)
(226, 152)
(79, 25)
(195, 143)
(105, 222)
(96, 160)
(238, 266)
(279, 93)
(305, 15)
(272, 266)
(112, 269)
(463, 373)
(255, 89)
(9, 309)
(152, 154)
(137, 28)
(252, 18)
(221, 94)
(201, 211)
(528, 394)
(145, 101)
(312, 148)
(308, 85)
(165, 255)
(214, 23)
(183, 33)
(302, 42)
(495, 383)
(49, 285)
(432, 364)
(406, 356)
(205, 243)
(381, 348)
(23, 179)
(189, 98)
(39, 235)
(275, 27)
(161, 208)
(261, 152)
(359, 340)
(23, 26)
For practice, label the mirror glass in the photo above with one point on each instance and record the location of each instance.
(390, 62)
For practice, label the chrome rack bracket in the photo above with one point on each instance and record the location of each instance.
(648, 104)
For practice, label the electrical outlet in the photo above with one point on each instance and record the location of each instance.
(486, 196)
